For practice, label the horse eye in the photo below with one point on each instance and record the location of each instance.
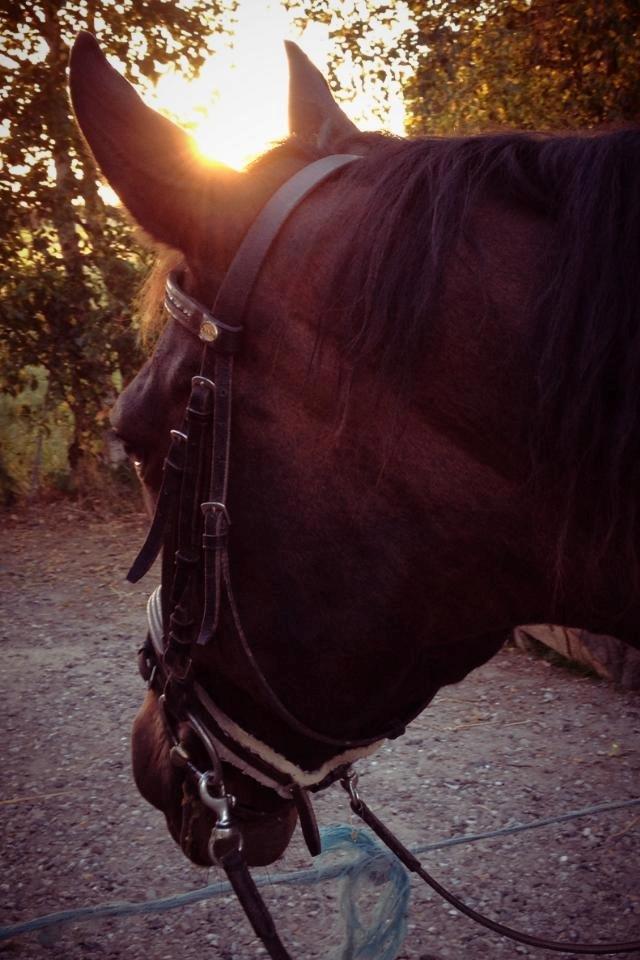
(136, 459)
(131, 453)
(128, 449)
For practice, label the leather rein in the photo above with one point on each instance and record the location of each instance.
(191, 526)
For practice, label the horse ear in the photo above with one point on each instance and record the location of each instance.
(150, 162)
(314, 115)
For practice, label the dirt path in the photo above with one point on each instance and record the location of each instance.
(518, 740)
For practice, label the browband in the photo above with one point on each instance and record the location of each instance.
(221, 327)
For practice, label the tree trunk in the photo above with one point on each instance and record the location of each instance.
(59, 129)
(66, 217)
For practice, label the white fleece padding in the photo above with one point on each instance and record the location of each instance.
(304, 778)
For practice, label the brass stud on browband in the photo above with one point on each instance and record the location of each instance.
(208, 331)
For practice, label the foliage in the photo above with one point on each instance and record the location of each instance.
(545, 64)
(34, 437)
(69, 266)
(368, 43)
(484, 64)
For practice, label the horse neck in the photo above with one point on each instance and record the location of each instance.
(411, 516)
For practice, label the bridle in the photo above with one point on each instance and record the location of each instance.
(191, 525)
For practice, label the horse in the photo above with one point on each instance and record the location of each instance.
(435, 431)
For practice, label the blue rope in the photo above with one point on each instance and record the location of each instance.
(370, 868)
(350, 855)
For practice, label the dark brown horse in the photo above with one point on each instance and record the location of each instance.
(436, 423)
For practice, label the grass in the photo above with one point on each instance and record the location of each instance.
(34, 439)
(34, 442)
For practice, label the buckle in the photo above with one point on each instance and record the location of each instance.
(200, 381)
(212, 507)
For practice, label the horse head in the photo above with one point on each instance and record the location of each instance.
(384, 537)
(201, 211)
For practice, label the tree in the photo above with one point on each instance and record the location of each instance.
(69, 266)
(370, 45)
(544, 64)
(486, 64)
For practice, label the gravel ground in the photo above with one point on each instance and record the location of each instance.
(520, 739)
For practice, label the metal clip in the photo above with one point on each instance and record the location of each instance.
(221, 805)
(225, 837)
(350, 784)
(222, 842)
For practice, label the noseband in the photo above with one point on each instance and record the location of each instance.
(191, 525)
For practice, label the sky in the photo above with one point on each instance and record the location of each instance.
(239, 100)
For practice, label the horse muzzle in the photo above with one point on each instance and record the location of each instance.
(265, 821)
(263, 835)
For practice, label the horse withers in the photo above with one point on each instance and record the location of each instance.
(434, 433)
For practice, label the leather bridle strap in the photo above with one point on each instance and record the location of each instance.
(412, 864)
(256, 911)
(221, 332)
(220, 329)
(169, 491)
(187, 556)
(236, 289)
(216, 516)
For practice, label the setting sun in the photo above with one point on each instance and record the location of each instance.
(237, 106)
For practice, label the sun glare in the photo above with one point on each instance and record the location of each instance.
(237, 106)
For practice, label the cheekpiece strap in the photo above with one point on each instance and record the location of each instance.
(167, 500)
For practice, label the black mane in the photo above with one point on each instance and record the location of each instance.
(586, 330)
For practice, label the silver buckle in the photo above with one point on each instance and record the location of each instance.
(214, 506)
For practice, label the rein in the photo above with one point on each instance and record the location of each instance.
(191, 526)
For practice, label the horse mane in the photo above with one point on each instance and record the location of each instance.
(584, 437)
(149, 303)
